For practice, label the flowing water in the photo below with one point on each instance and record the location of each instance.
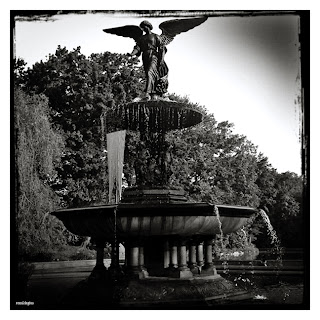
(216, 211)
(276, 249)
(275, 241)
(157, 116)
(224, 258)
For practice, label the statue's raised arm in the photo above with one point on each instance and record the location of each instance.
(153, 48)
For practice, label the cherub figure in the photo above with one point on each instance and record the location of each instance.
(153, 49)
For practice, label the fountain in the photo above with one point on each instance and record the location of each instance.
(168, 240)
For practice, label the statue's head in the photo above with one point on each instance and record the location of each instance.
(145, 24)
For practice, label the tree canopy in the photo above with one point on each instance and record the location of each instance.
(81, 91)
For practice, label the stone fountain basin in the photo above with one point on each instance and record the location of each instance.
(156, 116)
(146, 220)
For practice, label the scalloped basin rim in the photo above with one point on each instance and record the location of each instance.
(165, 103)
(156, 116)
(165, 209)
(145, 220)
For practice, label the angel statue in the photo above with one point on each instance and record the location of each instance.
(153, 49)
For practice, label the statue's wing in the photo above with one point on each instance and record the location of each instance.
(133, 32)
(171, 28)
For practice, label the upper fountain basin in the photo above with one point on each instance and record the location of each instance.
(156, 116)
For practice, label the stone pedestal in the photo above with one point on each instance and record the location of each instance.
(135, 261)
(173, 256)
(208, 267)
(193, 258)
(179, 255)
(200, 261)
(114, 271)
(166, 254)
(99, 272)
(143, 273)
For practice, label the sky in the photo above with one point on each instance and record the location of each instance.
(245, 70)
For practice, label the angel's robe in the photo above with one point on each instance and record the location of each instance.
(154, 65)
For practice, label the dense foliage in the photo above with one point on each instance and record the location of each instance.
(62, 113)
(80, 93)
(38, 151)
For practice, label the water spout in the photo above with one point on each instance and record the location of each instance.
(216, 210)
(222, 255)
(275, 241)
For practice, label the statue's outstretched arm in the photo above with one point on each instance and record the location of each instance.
(136, 51)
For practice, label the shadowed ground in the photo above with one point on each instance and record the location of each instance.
(65, 285)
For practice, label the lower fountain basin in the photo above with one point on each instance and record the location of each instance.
(146, 220)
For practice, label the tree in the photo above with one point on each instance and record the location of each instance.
(19, 72)
(287, 214)
(213, 164)
(38, 149)
(81, 92)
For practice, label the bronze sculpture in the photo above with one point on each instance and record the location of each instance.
(153, 49)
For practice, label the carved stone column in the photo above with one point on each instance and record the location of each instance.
(142, 269)
(184, 271)
(200, 261)
(182, 256)
(141, 257)
(193, 257)
(208, 266)
(208, 251)
(179, 255)
(134, 257)
(136, 266)
(173, 255)
(166, 254)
